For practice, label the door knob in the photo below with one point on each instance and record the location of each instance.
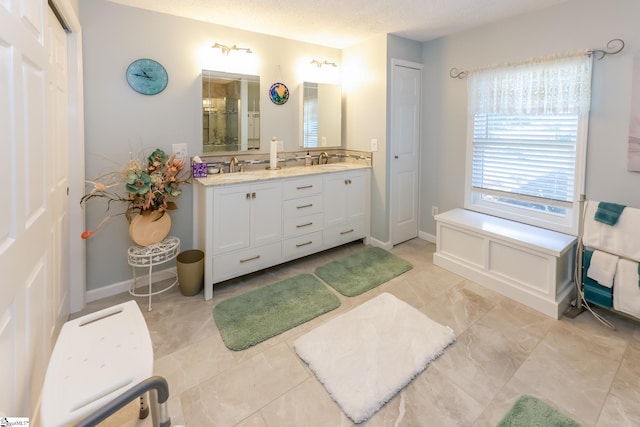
(396, 156)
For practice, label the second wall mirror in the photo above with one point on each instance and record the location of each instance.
(321, 115)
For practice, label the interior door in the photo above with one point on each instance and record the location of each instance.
(405, 149)
(33, 214)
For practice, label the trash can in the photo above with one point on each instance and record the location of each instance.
(190, 266)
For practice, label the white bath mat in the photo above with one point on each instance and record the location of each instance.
(365, 356)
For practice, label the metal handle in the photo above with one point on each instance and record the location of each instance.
(248, 196)
(304, 244)
(159, 389)
(304, 206)
(253, 195)
(347, 232)
(249, 259)
(304, 187)
(304, 225)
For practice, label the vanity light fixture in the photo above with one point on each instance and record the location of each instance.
(227, 49)
(321, 63)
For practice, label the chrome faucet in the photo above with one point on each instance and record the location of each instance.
(233, 163)
(324, 156)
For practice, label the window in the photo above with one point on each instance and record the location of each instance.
(310, 115)
(527, 141)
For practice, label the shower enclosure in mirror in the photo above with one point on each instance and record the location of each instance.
(321, 115)
(230, 112)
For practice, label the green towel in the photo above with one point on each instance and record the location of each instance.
(608, 213)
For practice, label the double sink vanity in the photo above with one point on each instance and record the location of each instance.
(258, 218)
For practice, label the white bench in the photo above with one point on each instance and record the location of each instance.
(101, 362)
(531, 265)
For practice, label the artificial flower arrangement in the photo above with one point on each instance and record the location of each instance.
(150, 186)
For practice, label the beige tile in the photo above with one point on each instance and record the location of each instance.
(254, 420)
(461, 305)
(504, 350)
(431, 399)
(489, 352)
(308, 404)
(573, 370)
(622, 407)
(194, 364)
(233, 395)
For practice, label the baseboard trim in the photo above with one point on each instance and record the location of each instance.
(431, 238)
(380, 244)
(121, 287)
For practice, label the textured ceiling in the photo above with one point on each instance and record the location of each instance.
(343, 23)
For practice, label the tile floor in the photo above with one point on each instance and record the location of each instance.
(503, 350)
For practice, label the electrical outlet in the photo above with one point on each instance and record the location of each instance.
(374, 145)
(280, 145)
(180, 151)
(323, 141)
(434, 210)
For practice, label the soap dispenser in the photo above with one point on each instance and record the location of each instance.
(307, 159)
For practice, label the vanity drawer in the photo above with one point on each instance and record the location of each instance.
(344, 233)
(303, 206)
(303, 245)
(303, 225)
(245, 261)
(301, 187)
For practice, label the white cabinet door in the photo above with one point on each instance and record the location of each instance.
(357, 191)
(335, 198)
(345, 196)
(266, 213)
(231, 218)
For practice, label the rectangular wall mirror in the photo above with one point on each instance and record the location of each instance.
(230, 112)
(321, 115)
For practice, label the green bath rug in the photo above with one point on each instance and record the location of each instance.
(363, 271)
(529, 411)
(251, 318)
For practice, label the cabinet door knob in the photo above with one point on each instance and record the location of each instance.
(253, 195)
(395, 157)
(248, 196)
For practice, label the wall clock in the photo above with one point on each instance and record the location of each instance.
(147, 76)
(279, 93)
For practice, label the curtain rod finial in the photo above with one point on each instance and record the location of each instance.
(454, 73)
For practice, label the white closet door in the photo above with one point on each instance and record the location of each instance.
(404, 148)
(33, 210)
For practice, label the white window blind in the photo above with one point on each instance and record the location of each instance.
(527, 140)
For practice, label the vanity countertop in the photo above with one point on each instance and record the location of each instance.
(286, 172)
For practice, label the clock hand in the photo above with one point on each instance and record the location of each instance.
(145, 75)
(148, 76)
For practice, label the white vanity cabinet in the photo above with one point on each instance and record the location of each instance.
(346, 214)
(243, 227)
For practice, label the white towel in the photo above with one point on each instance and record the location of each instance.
(602, 268)
(622, 239)
(626, 292)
